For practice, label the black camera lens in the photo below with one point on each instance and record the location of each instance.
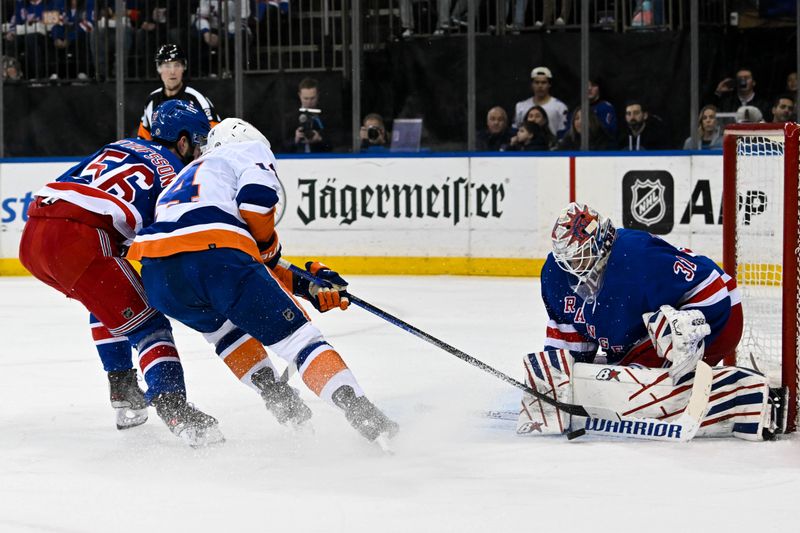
(373, 133)
(742, 82)
(306, 122)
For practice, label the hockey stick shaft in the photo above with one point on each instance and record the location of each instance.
(689, 423)
(576, 410)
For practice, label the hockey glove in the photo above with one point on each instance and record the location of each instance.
(678, 337)
(330, 293)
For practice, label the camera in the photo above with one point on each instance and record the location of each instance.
(741, 82)
(373, 134)
(308, 120)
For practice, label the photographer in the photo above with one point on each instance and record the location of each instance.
(733, 93)
(309, 136)
(373, 134)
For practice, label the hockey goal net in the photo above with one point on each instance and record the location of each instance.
(761, 216)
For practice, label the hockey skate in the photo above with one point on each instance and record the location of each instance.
(281, 400)
(363, 415)
(186, 422)
(127, 399)
(778, 402)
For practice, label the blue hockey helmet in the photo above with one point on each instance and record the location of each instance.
(174, 117)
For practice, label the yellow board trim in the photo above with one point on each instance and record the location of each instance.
(391, 266)
(764, 274)
(12, 267)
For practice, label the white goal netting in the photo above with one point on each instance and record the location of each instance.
(759, 250)
(760, 189)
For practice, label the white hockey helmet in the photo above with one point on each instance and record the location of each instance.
(233, 130)
(582, 238)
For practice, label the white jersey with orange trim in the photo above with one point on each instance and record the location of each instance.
(643, 273)
(224, 199)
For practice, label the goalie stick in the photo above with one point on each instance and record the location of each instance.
(688, 424)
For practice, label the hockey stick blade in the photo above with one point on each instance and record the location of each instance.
(682, 429)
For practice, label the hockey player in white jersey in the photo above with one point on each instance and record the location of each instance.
(655, 311)
(210, 260)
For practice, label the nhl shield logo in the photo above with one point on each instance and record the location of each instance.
(647, 202)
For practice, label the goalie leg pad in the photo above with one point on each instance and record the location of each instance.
(549, 373)
(738, 405)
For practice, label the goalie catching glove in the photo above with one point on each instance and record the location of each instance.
(678, 336)
(330, 293)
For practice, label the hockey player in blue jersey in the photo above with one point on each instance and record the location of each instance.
(621, 302)
(75, 239)
(599, 281)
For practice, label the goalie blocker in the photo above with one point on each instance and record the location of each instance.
(740, 403)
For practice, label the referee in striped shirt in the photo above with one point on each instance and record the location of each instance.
(171, 65)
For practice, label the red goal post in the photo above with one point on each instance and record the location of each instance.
(760, 243)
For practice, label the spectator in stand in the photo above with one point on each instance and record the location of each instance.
(171, 66)
(103, 46)
(373, 134)
(71, 38)
(605, 111)
(709, 133)
(644, 131)
(530, 137)
(538, 115)
(26, 36)
(748, 114)
(783, 108)
(549, 11)
(791, 83)
(215, 17)
(407, 18)
(496, 136)
(150, 28)
(310, 135)
(541, 79)
(11, 70)
(732, 93)
(598, 137)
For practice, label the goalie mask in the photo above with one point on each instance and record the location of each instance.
(582, 240)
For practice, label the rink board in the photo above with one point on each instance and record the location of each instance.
(448, 214)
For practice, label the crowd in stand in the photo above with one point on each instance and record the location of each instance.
(76, 39)
(543, 122)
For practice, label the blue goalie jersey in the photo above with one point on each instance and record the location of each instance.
(122, 180)
(643, 273)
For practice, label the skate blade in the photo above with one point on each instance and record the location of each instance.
(382, 442)
(305, 428)
(207, 438)
(130, 418)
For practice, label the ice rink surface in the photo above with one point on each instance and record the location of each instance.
(65, 468)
